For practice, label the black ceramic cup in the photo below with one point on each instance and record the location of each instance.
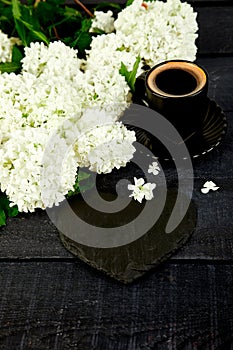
(177, 89)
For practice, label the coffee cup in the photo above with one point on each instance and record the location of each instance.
(177, 89)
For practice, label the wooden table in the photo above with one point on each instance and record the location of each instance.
(52, 300)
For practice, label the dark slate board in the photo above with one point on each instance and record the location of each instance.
(130, 261)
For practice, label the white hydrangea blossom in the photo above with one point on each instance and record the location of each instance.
(158, 31)
(103, 64)
(51, 93)
(22, 157)
(99, 142)
(105, 147)
(53, 60)
(103, 21)
(6, 46)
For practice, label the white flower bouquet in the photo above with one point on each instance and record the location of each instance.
(68, 91)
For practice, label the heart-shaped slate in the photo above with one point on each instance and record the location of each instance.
(128, 262)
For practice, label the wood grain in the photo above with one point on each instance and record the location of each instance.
(52, 301)
(67, 306)
(216, 33)
(34, 237)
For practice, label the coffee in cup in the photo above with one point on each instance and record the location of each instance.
(177, 89)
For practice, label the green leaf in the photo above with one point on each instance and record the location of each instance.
(5, 209)
(82, 42)
(16, 54)
(129, 2)
(86, 25)
(21, 31)
(39, 35)
(21, 23)
(130, 76)
(18, 25)
(71, 12)
(2, 218)
(83, 181)
(12, 211)
(82, 175)
(15, 65)
(9, 67)
(107, 5)
(16, 9)
(98, 31)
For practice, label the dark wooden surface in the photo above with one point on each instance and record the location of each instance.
(51, 300)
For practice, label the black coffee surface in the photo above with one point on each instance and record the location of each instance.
(176, 82)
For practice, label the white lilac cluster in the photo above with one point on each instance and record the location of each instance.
(51, 95)
(100, 142)
(162, 31)
(156, 31)
(105, 147)
(6, 46)
(103, 21)
(102, 69)
(23, 158)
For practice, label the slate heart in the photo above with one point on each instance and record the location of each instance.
(128, 262)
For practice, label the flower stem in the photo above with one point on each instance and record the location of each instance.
(84, 8)
(56, 33)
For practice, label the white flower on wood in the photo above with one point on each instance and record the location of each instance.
(141, 190)
(154, 168)
(209, 185)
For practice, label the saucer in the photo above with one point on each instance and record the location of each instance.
(199, 143)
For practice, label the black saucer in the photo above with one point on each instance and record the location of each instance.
(199, 143)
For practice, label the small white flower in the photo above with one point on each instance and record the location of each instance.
(6, 46)
(103, 21)
(209, 185)
(154, 168)
(141, 190)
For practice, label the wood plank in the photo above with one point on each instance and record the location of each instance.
(34, 237)
(215, 29)
(31, 236)
(220, 71)
(70, 306)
